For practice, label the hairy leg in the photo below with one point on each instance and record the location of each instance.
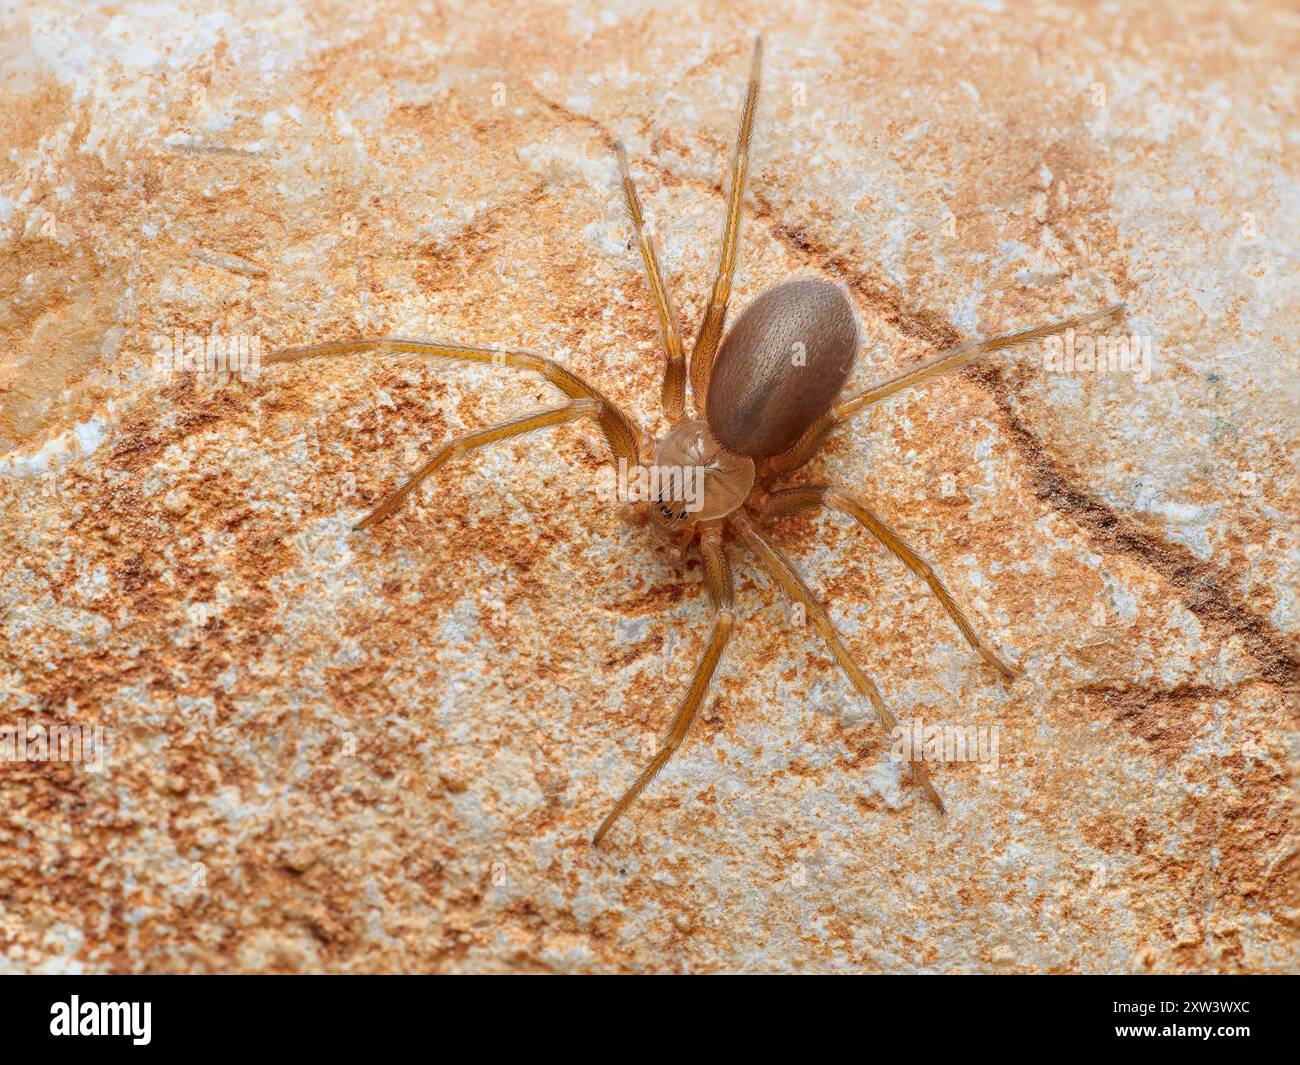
(621, 433)
(480, 438)
(674, 389)
(784, 573)
(963, 354)
(808, 497)
(715, 313)
(717, 577)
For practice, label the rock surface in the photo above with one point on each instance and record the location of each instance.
(387, 751)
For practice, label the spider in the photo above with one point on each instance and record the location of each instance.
(765, 396)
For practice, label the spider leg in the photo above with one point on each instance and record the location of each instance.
(784, 573)
(715, 313)
(674, 388)
(621, 433)
(803, 449)
(480, 438)
(807, 497)
(962, 354)
(717, 577)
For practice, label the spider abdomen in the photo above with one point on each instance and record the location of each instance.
(781, 365)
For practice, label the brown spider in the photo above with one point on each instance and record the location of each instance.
(764, 393)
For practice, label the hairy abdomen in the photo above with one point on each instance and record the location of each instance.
(781, 366)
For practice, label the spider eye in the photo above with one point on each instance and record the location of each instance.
(681, 516)
(665, 512)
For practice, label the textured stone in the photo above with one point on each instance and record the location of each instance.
(388, 751)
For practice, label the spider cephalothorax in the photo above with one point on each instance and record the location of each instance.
(695, 478)
(765, 396)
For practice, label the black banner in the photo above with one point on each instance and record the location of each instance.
(334, 1015)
